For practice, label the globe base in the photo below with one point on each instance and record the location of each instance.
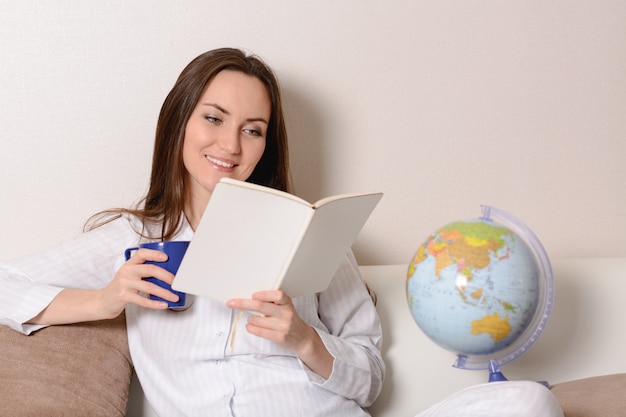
(494, 372)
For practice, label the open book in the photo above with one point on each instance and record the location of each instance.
(253, 238)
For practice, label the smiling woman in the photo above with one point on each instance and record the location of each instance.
(222, 118)
(166, 198)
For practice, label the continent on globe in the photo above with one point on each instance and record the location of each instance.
(494, 325)
(468, 245)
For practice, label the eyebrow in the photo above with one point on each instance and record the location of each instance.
(223, 110)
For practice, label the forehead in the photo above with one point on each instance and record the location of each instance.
(237, 93)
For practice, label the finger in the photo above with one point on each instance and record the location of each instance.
(262, 308)
(143, 255)
(158, 291)
(273, 296)
(255, 308)
(146, 302)
(135, 272)
(245, 304)
(267, 322)
(269, 328)
(155, 271)
(256, 299)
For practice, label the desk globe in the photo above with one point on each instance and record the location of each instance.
(483, 289)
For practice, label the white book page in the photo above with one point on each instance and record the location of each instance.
(241, 245)
(330, 235)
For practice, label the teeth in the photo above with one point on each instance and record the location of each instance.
(220, 163)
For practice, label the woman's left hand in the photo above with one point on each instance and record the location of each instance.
(279, 322)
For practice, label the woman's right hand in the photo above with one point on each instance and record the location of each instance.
(129, 286)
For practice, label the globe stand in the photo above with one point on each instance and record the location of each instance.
(494, 369)
(494, 372)
(495, 375)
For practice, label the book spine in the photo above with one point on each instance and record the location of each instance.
(294, 249)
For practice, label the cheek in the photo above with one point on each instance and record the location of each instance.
(191, 141)
(185, 153)
(188, 155)
(256, 152)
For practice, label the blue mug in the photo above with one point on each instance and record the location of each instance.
(175, 251)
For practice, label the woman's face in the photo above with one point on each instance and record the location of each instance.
(225, 134)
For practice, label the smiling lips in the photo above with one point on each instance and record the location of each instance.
(219, 163)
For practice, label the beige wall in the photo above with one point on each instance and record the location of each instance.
(442, 105)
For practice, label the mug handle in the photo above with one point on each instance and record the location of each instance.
(128, 252)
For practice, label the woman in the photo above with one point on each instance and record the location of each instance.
(312, 355)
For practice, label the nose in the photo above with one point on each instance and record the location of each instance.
(230, 141)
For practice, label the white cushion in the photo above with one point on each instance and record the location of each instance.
(498, 399)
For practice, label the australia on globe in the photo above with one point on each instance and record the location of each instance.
(475, 287)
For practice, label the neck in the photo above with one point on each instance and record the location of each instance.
(194, 208)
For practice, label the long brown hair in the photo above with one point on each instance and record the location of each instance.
(164, 202)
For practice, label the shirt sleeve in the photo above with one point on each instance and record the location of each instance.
(354, 337)
(88, 261)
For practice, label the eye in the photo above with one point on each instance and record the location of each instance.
(253, 132)
(212, 119)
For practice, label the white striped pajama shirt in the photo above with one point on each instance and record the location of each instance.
(188, 362)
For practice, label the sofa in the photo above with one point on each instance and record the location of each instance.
(85, 369)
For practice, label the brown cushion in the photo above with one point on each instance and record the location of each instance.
(72, 370)
(601, 396)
